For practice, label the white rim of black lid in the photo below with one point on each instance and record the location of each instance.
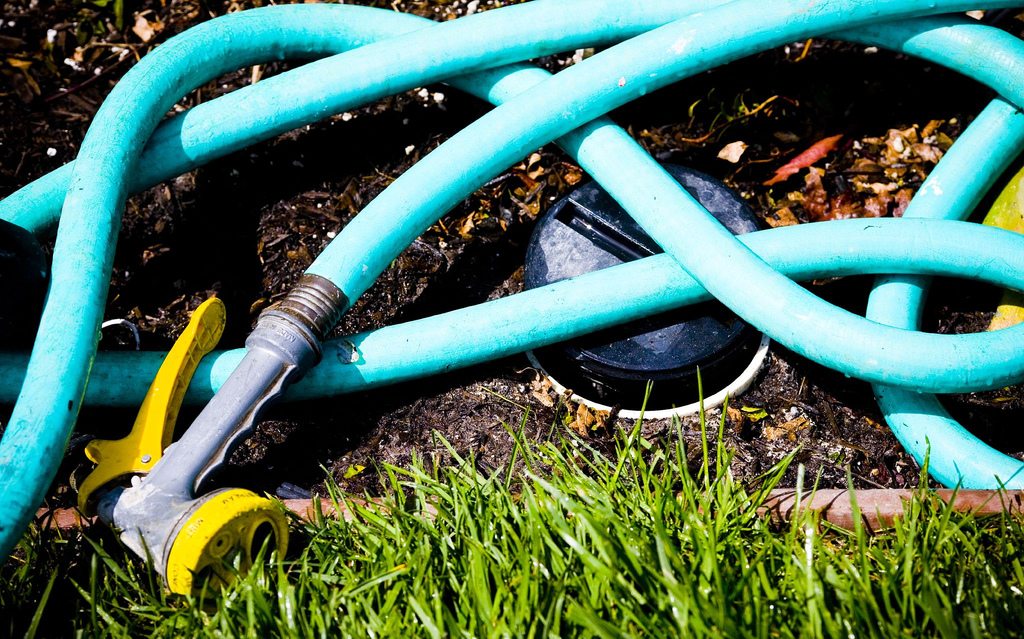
(735, 388)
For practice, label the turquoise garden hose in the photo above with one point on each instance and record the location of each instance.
(662, 42)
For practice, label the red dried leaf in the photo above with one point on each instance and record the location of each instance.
(815, 152)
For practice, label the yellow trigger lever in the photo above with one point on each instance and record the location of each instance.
(154, 425)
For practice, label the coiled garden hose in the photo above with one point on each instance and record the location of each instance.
(662, 41)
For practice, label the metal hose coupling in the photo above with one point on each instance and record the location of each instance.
(172, 500)
(311, 309)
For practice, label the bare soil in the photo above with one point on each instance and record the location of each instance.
(246, 226)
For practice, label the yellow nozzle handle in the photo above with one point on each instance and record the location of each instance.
(1007, 212)
(154, 425)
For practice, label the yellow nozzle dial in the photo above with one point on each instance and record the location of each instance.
(154, 425)
(221, 537)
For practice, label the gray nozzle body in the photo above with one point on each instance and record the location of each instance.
(283, 346)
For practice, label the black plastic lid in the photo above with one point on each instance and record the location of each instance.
(587, 231)
(24, 273)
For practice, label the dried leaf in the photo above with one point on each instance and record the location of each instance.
(815, 197)
(353, 471)
(541, 391)
(864, 165)
(899, 146)
(754, 413)
(18, 63)
(533, 168)
(732, 152)
(927, 152)
(877, 206)
(573, 176)
(943, 141)
(788, 429)
(903, 197)
(145, 29)
(781, 217)
(815, 152)
(588, 420)
(880, 188)
(931, 128)
(844, 207)
(300, 254)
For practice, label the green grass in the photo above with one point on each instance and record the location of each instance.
(571, 542)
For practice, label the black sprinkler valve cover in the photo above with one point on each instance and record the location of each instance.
(587, 231)
(24, 276)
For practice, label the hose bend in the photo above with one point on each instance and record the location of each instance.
(662, 43)
(44, 415)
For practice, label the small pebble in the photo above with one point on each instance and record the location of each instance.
(51, 152)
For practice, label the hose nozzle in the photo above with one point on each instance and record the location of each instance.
(166, 515)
